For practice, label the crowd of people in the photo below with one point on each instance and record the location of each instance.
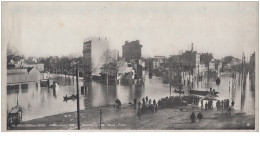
(224, 104)
(175, 101)
(146, 105)
(208, 105)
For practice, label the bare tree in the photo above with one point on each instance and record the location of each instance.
(108, 63)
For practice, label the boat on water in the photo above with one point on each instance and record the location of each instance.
(178, 91)
(218, 81)
(201, 92)
(72, 97)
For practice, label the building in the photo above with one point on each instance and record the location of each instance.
(157, 61)
(125, 72)
(18, 79)
(235, 61)
(132, 50)
(93, 50)
(212, 66)
(38, 66)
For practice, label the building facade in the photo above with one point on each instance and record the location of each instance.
(93, 50)
(132, 50)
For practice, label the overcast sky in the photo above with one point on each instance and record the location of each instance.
(44, 29)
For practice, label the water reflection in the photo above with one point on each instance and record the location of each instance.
(42, 101)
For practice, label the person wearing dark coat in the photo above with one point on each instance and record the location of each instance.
(143, 101)
(150, 102)
(201, 104)
(118, 102)
(139, 105)
(232, 103)
(135, 100)
(193, 117)
(206, 106)
(199, 116)
(154, 102)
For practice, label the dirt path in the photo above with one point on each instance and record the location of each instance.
(126, 119)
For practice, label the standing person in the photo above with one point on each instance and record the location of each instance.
(154, 102)
(150, 102)
(218, 104)
(232, 103)
(143, 101)
(192, 117)
(206, 106)
(139, 105)
(135, 100)
(156, 107)
(222, 104)
(227, 103)
(211, 104)
(199, 116)
(201, 102)
(146, 98)
(119, 103)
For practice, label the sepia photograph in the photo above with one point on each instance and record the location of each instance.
(130, 66)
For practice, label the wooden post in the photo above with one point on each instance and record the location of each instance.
(77, 78)
(229, 86)
(170, 89)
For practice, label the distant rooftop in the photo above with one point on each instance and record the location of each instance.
(95, 38)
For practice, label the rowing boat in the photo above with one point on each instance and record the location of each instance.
(178, 91)
(72, 97)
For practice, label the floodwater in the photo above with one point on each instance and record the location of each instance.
(42, 101)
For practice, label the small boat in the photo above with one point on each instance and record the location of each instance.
(201, 92)
(72, 97)
(179, 91)
(218, 81)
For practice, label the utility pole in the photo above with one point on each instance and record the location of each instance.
(77, 80)
(170, 77)
(190, 62)
(242, 79)
(17, 97)
(100, 117)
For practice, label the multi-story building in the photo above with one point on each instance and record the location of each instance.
(93, 50)
(132, 50)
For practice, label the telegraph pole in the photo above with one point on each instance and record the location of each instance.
(100, 117)
(77, 80)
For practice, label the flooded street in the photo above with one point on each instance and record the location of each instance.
(42, 101)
